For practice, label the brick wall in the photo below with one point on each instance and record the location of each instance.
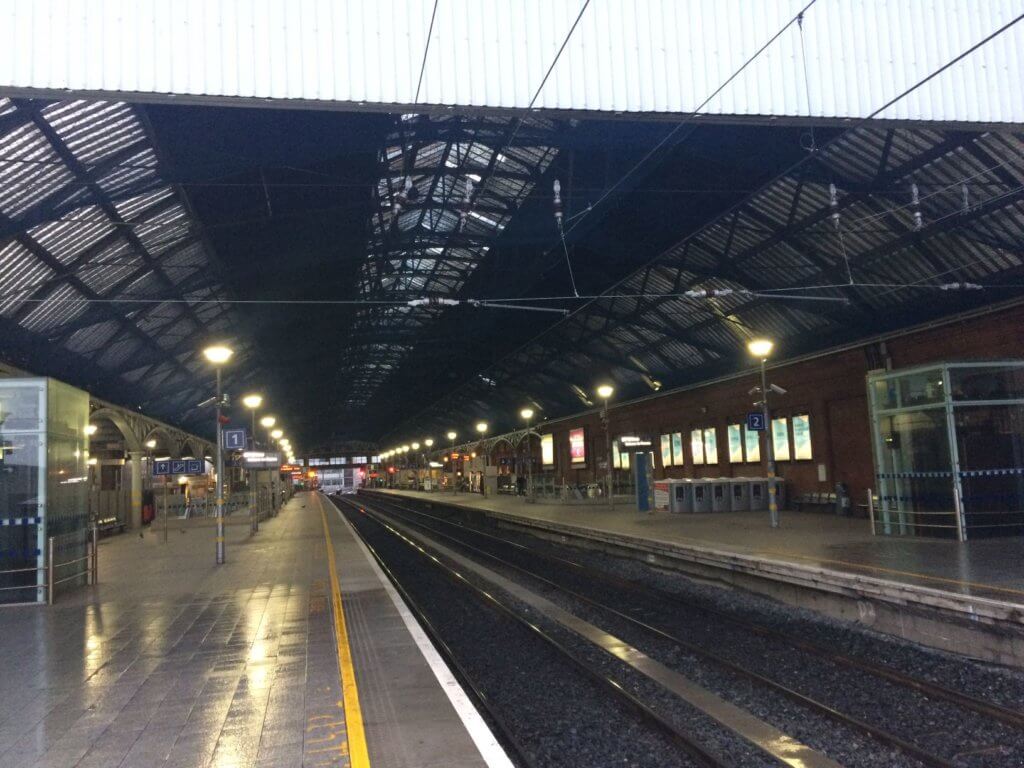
(831, 389)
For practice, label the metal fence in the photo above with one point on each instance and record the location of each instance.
(71, 559)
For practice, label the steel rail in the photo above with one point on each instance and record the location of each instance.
(648, 715)
(936, 690)
(879, 734)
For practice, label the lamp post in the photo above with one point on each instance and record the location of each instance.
(451, 458)
(218, 355)
(267, 422)
(761, 349)
(253, 402)
(481, 427)
(428, 443)
(527, 415)
(605, 391)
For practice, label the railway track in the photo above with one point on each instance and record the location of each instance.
(576, 581)
(553, 663)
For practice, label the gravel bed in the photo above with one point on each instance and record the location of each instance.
(518, 672)
(937, 726)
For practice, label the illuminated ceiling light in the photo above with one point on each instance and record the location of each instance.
(526, 413)
(252, 401)
(90, 429)
(605, 391)
(151, 444)
(760, 348)
(218, 354)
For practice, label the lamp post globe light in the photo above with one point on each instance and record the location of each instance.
(218, 355)
(605, 391)
(761, 349)
(526, 414)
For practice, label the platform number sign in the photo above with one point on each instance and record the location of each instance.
(755, 421)
(234, 439)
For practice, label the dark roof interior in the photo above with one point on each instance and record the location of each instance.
(132, 235)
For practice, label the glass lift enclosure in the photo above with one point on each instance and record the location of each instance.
(44, 452)
(948, 444)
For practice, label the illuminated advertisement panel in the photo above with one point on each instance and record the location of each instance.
(710, 446)
(697, 445)
(677, 449)
(547, 450)
(577, 447)
(666, 450)
(780, 439)
(753, 441)
(735, 444)
(802, 437)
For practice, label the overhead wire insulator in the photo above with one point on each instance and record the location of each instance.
(833, 204)
(559, 214)
(402, 198)
(915, 203)
(467, 203)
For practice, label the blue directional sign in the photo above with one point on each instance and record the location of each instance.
(178, 467)
(234, 439)
(755, 421)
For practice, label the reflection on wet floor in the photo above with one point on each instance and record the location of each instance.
(175, 662)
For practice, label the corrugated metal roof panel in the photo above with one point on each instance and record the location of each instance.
(624, 56)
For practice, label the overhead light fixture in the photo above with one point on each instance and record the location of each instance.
(760, 348)
(605, 391)
(268, 421)
(218, 354)
(252, 401)
(151, 444)
(90, 429)
(481, 427)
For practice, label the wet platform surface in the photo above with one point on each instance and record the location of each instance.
(174, 661)
(991, 568)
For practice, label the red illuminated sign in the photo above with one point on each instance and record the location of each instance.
(577, 447)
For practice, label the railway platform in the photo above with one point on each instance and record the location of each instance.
(296, 651)
(961, 597)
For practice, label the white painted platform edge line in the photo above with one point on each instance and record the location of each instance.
(490, 749)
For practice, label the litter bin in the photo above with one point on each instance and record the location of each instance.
(701, 495)
(739, 494)
(758, 493)
(720, 492)
(681, 496)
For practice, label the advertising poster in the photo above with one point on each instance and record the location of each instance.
(616, 458)
(547, 450)
(577, 447)
(802, 437)
(753, 439)
(710, 445)
(735, 444)
(780, 439)
(697, 445)
(666, 450)
(677, 449)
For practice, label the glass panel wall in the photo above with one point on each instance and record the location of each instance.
(949, 449)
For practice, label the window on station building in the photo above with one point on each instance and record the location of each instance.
(677, 449)
(318, 462)
(802, 437)
(780, 438)
(375, 459)
(752, 442)
(666, 450)
(358, 459)
(697, 445)
(735, 444)
(710, 445)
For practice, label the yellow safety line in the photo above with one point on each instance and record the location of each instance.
(358, 753)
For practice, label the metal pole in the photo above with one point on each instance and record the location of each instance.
(608, 453)
(871, 511)
(773, 500)
(455, 478)
(529, 464)
(254, 516)
(49, 571)
(220, 481)
(95, 555)
(164, 494)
